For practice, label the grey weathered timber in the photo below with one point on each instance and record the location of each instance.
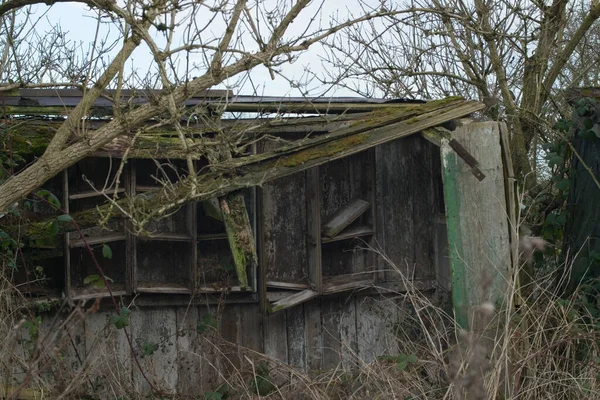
(344, 217)
(155, 329)
(477, 220)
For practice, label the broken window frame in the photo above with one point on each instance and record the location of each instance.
(133, 244)
(319, 283)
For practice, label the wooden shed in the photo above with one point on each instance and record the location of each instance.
(345, 203)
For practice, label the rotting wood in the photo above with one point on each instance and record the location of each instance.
(239, 234)
(344, 217)
(231, 175)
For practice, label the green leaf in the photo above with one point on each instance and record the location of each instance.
(208, 321)
(121, 320)
(90, 278)
(595, 255)
(402, 365)
(412, 359)
(54, 228)
(563, 184)
(149, 348)
(213, 396)
(106, 252)
(64, 218)
(52, 199)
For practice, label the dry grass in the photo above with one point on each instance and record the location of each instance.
(546, 349)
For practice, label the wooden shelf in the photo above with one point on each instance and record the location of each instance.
(287, 285)
(94, 240)
(163, 289)
(216, 288)
(85, 294)
(211, 236)
(167, 237)
(94, 193)
(351, 233)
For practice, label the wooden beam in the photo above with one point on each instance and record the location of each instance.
(476, 212)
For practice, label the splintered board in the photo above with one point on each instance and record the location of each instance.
(344, 217)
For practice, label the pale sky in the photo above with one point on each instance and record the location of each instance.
(79, 23)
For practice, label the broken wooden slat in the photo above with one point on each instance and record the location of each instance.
(344, 217)
(295, 299)
(346, 282)
(212, 209)
(355, 232)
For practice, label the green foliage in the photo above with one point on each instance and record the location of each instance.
(402, 361)
(32, 326)
(148, 348)
(121, 320)
(106, 252)
(96, 281)
(49, 197)
(221, 393)
(261, 383)
(64, 218)
(208, 321)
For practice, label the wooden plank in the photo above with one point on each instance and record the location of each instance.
(189, 352)
(287, 286)
(106, 238)
(251, 325)
(293, 300)
(348, 334)
(344, 217)
(395, 186)
(285, 224)
(85, 195)
(296, 337)
(424, 201)
(229, 357)
(345, 283)
(332, 346)
(275, 336)
(154, 333)
(476, 212)
(375, 318)
(208, 351)
(314, 335)
(107, 348)
(313, 215)
(353, 232)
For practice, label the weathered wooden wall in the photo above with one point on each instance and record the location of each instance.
(338, 331)
(402, 180)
